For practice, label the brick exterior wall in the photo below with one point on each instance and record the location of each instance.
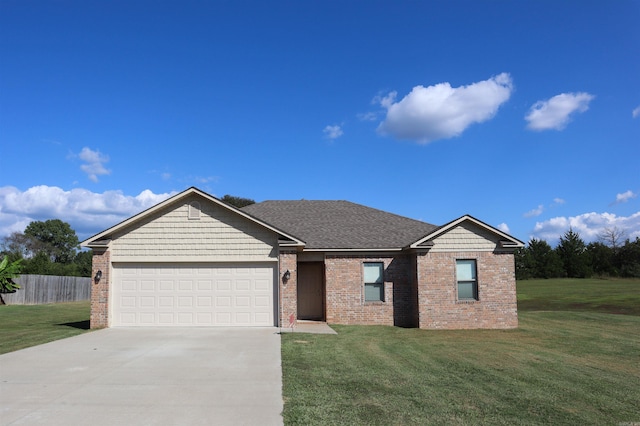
(419, 290)
(345, 292)
(100, 291)
(288, 289)
(437, 292)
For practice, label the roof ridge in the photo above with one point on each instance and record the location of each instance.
(351, 203)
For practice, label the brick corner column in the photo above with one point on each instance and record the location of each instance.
(100, 290)
(288, 261)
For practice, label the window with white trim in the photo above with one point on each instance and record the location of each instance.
(373, 282)
(467, 277)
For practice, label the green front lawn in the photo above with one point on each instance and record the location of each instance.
(558, 367)
(22, 326)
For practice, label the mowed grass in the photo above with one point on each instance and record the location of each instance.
(22, 326)
(559, 367)
(615, 295)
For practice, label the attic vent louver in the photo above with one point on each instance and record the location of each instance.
(194, 210)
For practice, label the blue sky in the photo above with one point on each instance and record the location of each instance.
(524, 114)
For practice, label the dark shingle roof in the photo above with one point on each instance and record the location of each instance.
(340, 224)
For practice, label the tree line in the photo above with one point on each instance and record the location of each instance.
(612, 255)
(48, 247)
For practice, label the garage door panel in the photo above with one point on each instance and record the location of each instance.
(166, 285)
(205, 301)
(147, 301)
(127, 317)
(205, 285)
(223, 285)
(243, 285)
(223, 301)
(147, 318)
(262, 301)
(206, 295)
(129, 301)
(166, 301)
(166, 318)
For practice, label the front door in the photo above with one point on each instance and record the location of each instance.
(311, 291)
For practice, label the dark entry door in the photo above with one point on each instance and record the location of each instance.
(311, 291)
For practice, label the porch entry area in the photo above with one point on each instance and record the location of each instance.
(311, 291)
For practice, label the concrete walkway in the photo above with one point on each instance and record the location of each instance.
(313, 327)
(146, 376)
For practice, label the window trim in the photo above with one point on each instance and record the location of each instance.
(474, 281)
(376, 284)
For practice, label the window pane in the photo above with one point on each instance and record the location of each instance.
(466, 270)
(373, 272)
(466, 290)
(373, 292)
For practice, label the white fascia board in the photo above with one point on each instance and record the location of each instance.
(356, 250)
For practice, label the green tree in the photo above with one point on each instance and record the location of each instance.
(83, 262)
(573, 254)
(20, 246)
(523, 264)
(601, 259)
(627, 259)
(48, 248)
(59, 241)
(238, 202)
(8, 271)
(544, 261)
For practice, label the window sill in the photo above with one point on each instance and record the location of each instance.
(466, 301)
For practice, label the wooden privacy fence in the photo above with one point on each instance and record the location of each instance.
(40, 289)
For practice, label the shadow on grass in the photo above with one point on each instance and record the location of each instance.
(82, 325)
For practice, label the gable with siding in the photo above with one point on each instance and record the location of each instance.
(467, 234)
(174, 233)
(466, 237)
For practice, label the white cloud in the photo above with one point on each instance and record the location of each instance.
(387, 100)
(441, 111)
(625, 196)
(333, 132)
(368, 116)
(504, 227)
(588, 225)
(558, 201)
(94, 163)
(555, 113)
(87, 212)
(636, 112)
(535, 212)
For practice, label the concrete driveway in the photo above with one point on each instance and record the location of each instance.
(146, 376)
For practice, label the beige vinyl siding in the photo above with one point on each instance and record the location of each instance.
(219, 235)
(465, 237)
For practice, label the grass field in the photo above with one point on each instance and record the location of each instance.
(22, 326)
(615, 296)
(567, 363)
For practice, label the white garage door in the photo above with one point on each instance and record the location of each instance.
(193, 295)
